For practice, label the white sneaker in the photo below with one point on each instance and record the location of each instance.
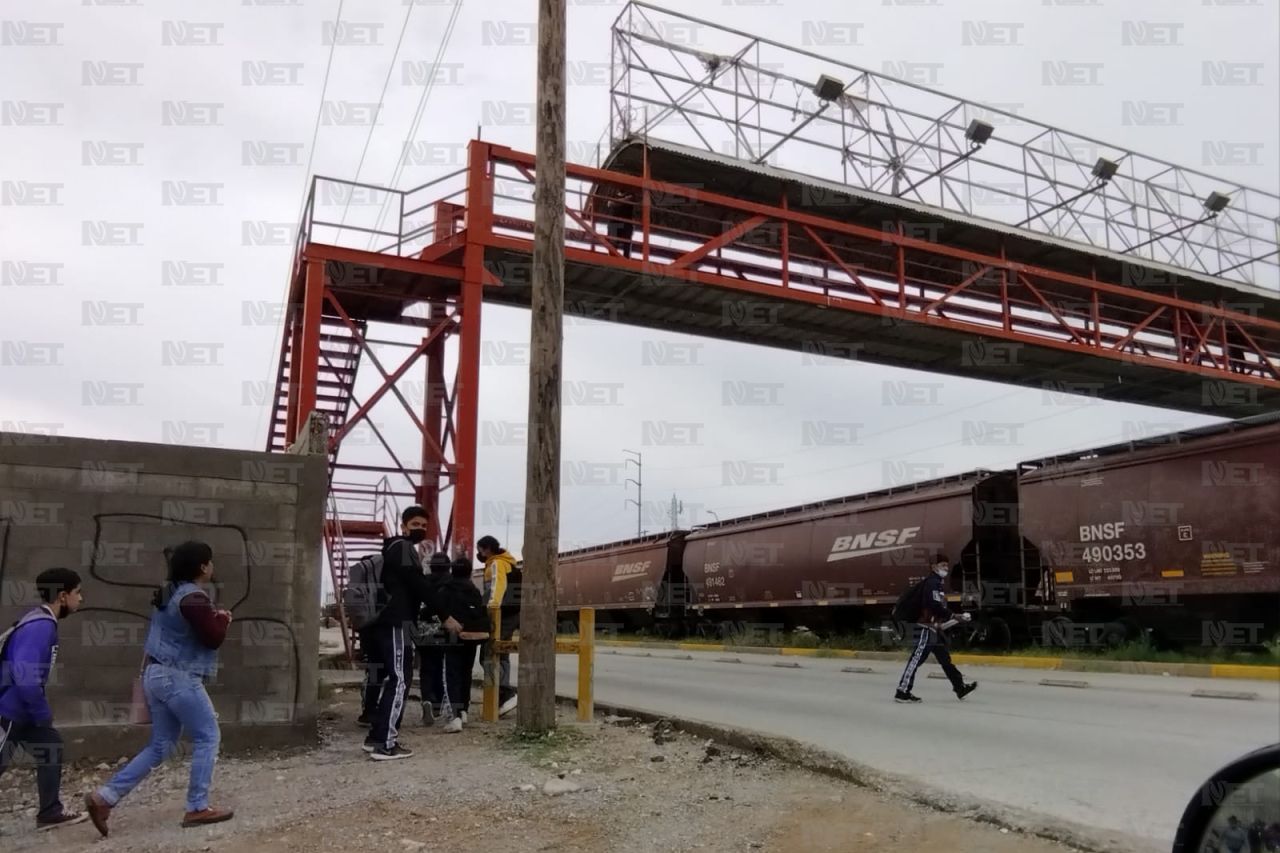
(507, 707)
(453, 726)
(463, 716)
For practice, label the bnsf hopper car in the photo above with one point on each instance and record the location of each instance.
(1178, 536)
(834, 564)
(633, 584)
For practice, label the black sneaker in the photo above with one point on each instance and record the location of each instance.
(908, 698)
(384, 754)
(967, 689)
(364, 721)
(370, 745)
(58, 821)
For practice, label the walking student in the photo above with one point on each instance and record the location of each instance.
(181, 654)
(431, 644)
(27, 656)
(932, 620)
(407, 591)
(498, 567)
(464, 603)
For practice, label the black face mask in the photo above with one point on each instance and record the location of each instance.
(417, 535)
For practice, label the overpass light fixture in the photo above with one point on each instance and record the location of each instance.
(1216, 202)
(1104, 170)
(828, 88)
(978, 132)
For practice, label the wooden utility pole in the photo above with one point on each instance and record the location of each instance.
(536, 711)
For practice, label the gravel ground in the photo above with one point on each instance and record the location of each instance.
(635, 788)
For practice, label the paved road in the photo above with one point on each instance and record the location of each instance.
(1123, 754)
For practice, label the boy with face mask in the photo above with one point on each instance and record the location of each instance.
(26, 719)
(933, 620)
(408, 592)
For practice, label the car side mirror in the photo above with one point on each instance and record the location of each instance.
(1237, 809)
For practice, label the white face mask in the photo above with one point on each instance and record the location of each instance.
(942, 571)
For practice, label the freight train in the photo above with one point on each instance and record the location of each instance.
(1175, 537)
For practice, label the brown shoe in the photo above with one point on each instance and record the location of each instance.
(207, 816)
(99, 812)
(64, 819)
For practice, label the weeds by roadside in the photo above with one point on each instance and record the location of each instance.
(538, 749)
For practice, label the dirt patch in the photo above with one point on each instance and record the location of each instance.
(636, 792)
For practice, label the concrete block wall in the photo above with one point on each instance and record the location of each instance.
(108, 509)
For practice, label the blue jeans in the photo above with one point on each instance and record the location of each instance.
(178, 703)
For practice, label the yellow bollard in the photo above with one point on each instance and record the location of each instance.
(586, 663)
(489, 706)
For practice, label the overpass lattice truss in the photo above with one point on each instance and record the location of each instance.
(450, 248)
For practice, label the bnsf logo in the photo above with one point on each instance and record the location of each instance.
(624, 571)
(875, 542)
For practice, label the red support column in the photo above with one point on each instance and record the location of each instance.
(433, 430)
(466, 401)
(307, 355)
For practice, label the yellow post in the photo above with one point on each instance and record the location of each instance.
(586, 663)
(489, 706)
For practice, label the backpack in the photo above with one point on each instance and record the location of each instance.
(364, 599)
(907, 607)
(467, 605)
(511, 595)
(4, 643)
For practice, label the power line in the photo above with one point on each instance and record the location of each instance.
(306, 181)
(886, 431)
(830, 468)
(377, 110)
(315, 132)
(417, 116)
(1003, 464)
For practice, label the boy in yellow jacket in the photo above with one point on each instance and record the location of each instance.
(497, 566)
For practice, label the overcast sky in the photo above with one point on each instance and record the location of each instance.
(112, 110)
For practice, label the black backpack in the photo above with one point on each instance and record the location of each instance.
(364, 598)
(511, 596)
(466, 604)
(907, 607)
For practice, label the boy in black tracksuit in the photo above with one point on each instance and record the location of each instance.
(931, 623)
(407, 591)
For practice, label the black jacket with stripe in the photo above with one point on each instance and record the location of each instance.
(404, 584)
(933, 602)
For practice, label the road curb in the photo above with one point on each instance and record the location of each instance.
(1251, 672)
(815, 760)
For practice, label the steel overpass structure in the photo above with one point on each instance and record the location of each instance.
(840, 212)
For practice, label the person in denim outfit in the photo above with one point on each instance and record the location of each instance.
(181, 654)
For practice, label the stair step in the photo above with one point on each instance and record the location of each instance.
(356, 527)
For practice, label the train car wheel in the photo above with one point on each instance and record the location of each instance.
(1057, 632)
(1114, 635)
(998, 635)
(1132, 629)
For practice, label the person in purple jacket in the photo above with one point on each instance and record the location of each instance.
(181, 654)
(26, 720)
